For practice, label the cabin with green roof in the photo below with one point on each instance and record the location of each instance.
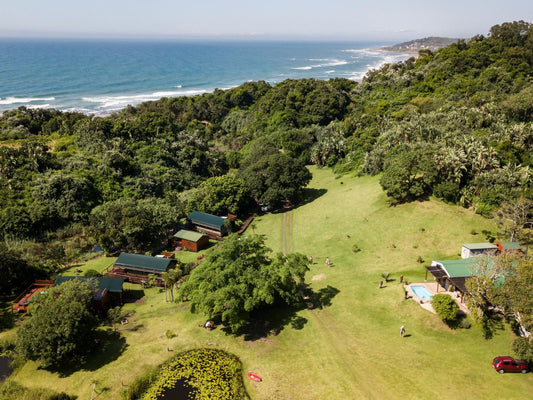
(509, 247)
(191, 240)
(452, 274)
(104, 288)
(137, 268)
(211, 225)
(475, 249)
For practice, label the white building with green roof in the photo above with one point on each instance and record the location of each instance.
(475, 249)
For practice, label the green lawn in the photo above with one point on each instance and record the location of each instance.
(352, 347)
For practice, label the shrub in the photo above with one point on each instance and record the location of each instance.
(92, 273)
(523, 348)
(464, 323)
(170, 334)
(356, 248)
(448, 191)
(445, 307)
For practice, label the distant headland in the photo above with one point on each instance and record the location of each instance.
(430, 43)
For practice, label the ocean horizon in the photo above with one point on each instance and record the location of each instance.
(102, 76)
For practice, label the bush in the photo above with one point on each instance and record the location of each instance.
(92, 273)
(523, 348)
(448, 191)
(356, 248)
(445, 307)
(170, 334)
(464, 323)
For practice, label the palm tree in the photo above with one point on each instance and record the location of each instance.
(171, 277)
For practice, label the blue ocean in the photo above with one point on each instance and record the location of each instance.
(103, 76)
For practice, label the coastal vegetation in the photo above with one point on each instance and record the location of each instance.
(452, 128)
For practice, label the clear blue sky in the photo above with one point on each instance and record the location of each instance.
(265, 19)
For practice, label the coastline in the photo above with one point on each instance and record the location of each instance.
(102, 78)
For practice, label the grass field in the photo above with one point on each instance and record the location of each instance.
(352, 347)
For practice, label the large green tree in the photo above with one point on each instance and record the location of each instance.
(240, 277)
(408, 175)
(276, 178)
(62, 327)
(515, 293)
(131, 225)
(220, 195)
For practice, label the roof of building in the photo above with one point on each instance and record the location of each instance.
(114, 285)
(211, 221)
(189, 235)
(138, 261)
(510, 245)
(480, 246)
(456, 268)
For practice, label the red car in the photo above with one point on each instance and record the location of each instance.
(509, 364)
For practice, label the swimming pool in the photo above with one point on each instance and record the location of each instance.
(422, 293)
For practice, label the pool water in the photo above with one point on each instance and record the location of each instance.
(422, 293)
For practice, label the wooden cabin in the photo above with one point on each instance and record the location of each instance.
(105, 289)
(213, 226)
(136, 268)
(190, 240)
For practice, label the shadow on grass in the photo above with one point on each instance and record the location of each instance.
(311, 194)
(325, 295)
(491, 326)
(132, 295)
(109, 346)
(271, 321)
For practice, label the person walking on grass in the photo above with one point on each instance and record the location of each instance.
(328, 263)
(402, 331)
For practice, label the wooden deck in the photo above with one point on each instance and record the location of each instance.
(22, 302)
(246, 224)
(135, 278)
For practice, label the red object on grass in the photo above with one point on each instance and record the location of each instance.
(254, 377)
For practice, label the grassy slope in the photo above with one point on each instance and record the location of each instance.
(352, 348)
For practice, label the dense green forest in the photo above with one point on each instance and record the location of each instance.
(456, 124)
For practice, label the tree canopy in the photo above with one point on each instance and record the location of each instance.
(240, 277)
(62, 327)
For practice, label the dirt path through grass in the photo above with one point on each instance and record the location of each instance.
(286, 233)
(290, 233)
(283, 223)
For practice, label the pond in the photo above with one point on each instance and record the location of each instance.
(180, 391)
(199, 373)
(5, 371)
